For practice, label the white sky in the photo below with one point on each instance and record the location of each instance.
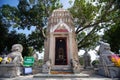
(66, 3)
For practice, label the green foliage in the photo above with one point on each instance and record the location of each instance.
(81, 60)
(90, 17)
(15, 38)
(27, 13)
(8, 39)
(84, 14)
(112, 36)
(88, 42)
(40, 62)
(3, 35)
(36, 40)
(95, 63)
(35, 13)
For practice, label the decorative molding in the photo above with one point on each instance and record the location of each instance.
(61, 27)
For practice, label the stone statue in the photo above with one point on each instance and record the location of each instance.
(14, 61)
(105, 52)
(104, 48)
(15, 55)
(107, 67)
(47, 67)
(75, 65)
(87, 60)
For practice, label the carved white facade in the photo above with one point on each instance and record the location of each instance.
(60, 44)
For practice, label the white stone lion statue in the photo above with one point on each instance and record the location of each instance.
(105, 52)
(15, 55)
(104, 48)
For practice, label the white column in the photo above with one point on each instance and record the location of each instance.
(53, 50)
(51, 47)
(70, 46)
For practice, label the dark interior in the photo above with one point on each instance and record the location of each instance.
(60, 51)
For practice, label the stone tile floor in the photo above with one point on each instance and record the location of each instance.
(84, 75)
(31, 77)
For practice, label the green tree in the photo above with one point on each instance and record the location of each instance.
(30, 13)
(15, 38)
(90, 17)
(3, 35)
(112, 36)
(36, 40)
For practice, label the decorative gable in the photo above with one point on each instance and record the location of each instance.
(61, 27)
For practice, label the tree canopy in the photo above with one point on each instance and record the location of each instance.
(27, 13)
(3, 34)
(112, 36)
(92, 16)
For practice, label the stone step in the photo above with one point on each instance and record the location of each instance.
(61, 76)
(61, 68)
(61, 71)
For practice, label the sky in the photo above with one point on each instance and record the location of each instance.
(15, 2)
(10, 2)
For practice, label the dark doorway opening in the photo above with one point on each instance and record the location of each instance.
(60, 51)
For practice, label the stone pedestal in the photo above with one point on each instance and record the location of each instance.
(10, 70)
(107, 67)
(114, 72)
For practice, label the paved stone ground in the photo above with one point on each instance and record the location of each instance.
(85, 75)
(30, 77)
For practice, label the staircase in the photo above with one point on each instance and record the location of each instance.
(61, 70)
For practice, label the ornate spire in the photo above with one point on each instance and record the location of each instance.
(60, 15)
